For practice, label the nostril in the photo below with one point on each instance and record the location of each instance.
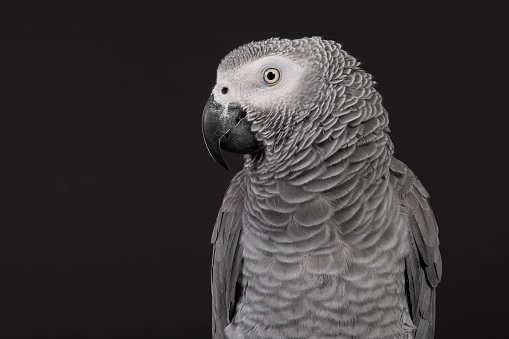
(224, 90)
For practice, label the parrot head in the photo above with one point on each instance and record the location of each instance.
(274, 94)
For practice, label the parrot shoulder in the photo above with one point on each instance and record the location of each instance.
(227, 256)
(423, 265)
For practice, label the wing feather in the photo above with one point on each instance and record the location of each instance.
(227, 257)
(423, 263)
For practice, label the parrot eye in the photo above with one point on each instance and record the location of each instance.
(271, 76)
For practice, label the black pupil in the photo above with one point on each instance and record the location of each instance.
(271, 75)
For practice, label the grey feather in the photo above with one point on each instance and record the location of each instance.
(226, 257)
(423, 266)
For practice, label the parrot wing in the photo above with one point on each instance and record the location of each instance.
(227, 257)
(423, 263)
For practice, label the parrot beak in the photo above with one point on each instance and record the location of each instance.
(229, 131)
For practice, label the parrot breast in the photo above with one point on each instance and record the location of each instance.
(323, 250)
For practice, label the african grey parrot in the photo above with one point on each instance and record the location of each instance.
(323, 233)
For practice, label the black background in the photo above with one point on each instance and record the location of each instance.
(108, 195)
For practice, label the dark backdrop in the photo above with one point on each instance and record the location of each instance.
(108, 195)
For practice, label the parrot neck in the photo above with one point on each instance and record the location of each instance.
(324, 162)
(320, 187)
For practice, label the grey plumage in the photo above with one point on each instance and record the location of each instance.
(323, 234)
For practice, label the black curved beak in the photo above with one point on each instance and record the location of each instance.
(228, 130)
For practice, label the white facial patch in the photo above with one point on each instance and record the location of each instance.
(247, 87)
